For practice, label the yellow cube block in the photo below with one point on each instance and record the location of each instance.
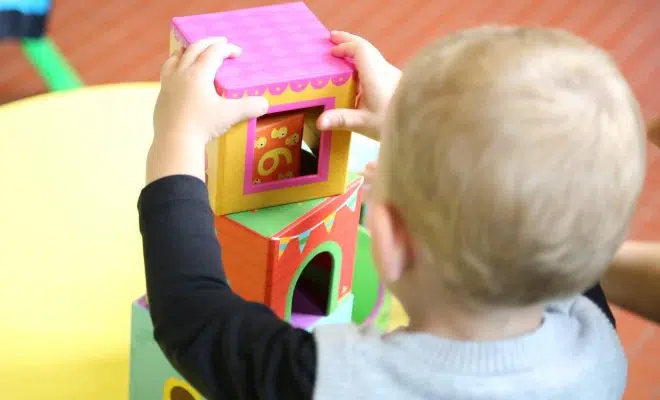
(286, 58)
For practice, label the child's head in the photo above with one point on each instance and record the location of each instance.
(510, 167)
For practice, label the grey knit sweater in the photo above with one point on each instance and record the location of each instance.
(575, 354)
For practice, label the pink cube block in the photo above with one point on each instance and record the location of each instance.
(283, 45)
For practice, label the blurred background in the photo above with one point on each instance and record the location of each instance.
(94, 42)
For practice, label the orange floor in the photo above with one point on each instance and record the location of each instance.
(125, 40)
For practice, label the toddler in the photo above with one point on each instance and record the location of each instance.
(510, 165)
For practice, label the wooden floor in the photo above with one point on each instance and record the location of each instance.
(126, 40)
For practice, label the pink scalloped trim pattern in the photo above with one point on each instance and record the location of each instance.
(279, 88)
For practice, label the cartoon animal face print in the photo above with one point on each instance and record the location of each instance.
(260, 143)
(279, 133)
(256, 181)
(292, 140)
(285, 175)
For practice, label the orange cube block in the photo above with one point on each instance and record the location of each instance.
(277, 147)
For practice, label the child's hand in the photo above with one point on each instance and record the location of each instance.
(369, 174)
(188, 105)
(378, 79)
(189, 112)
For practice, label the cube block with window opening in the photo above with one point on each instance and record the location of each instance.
(282, 157)
(296, 258)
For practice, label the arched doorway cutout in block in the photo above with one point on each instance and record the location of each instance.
(178, 389)
(311, 294)
(313, 289)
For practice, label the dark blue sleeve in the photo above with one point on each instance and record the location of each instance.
(597, 295)
(226, 347)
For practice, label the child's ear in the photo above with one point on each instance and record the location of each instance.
(390, 241)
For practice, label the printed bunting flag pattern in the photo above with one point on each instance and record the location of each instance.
(283, 243)
(302, 239)
(352, 201)
(327, 222)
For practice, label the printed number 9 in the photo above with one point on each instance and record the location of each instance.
(274, 154)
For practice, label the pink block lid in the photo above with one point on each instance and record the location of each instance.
(283, 44)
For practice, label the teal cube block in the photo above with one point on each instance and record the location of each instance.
(151, 374)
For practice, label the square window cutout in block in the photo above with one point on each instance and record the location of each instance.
(286, 149)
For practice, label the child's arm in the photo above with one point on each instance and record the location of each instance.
(633, 279)
(225, 347)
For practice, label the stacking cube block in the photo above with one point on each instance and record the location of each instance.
(300, 259)
(151, 375)
(286, 58)
(296, 258)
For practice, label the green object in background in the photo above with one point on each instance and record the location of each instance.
(54, 69)
(372, 303)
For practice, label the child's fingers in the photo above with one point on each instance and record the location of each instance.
(366, 57)
(353, 45)
(212, 58)
(338, 37)
(345, 50)
(349, 45)
(369, 174)
(194, 50)
(366, 190)
(170, 64)
(369, 171)
(371, 165)
(345, 119)
(236, 110)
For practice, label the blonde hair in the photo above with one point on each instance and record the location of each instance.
(515, 156)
